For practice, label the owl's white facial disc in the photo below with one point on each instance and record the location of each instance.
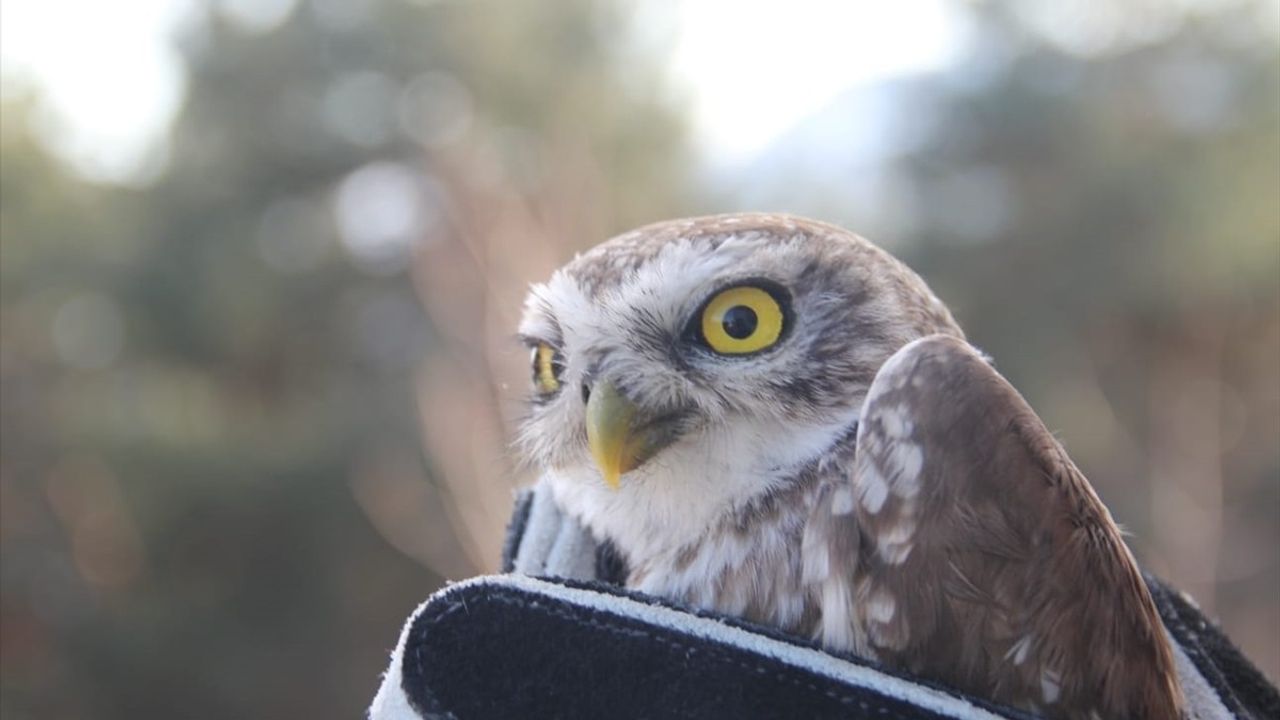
(714, 420)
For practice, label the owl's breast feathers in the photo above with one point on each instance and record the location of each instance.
(747, 564)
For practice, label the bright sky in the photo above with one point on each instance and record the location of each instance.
(111, 79)
(756, 68)
(752, 68)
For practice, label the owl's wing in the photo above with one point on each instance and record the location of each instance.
(985, 559)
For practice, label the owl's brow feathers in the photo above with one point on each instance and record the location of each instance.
(839, 251)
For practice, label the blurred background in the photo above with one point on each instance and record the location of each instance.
(262, 261)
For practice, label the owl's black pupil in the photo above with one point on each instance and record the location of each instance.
(739, 322)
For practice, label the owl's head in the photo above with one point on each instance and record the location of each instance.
(695, 349)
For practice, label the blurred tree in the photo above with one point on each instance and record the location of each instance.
(209, 420)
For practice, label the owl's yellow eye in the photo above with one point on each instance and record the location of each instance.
(742, 320)
(546, 369)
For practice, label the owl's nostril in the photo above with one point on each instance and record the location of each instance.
(586, 392)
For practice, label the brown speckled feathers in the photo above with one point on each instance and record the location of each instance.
(1006, 575)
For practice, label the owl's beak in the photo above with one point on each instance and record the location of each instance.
(620, 435)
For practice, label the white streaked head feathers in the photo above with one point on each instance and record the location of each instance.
(619, 313)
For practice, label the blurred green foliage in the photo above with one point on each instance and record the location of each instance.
(213, 387)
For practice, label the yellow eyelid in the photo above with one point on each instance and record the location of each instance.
(769, 320)
(544, 368)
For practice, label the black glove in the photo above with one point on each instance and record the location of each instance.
(573, 644)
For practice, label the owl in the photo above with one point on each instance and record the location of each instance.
(772, 418)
